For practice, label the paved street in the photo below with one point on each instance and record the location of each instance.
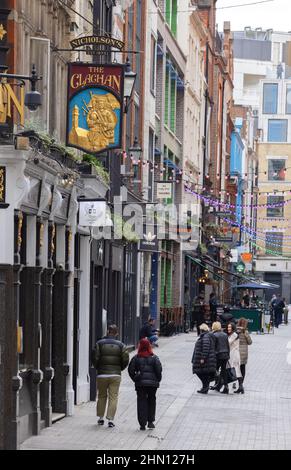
(260, 419)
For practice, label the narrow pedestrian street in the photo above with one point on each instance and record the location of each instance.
(260, 419)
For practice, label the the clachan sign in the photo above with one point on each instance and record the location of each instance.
(95, 105)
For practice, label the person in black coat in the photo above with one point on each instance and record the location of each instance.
(222, 350)
(145, 370)
(148, 331)
(279, 310)
(198, 313)
(204, 358)
(213, 307)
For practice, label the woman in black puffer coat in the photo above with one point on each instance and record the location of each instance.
(145, 370)
(204, 358)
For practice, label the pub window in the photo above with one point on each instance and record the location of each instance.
(275, 211)
(276, 170)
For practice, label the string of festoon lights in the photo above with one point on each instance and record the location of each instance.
(218, 203)
(226, 176)
(271, 252)
(179, 173)
(267, 219)
(255, 233)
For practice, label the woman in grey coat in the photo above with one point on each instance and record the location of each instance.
(244, 342)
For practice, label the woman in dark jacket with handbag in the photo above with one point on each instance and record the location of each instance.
(204, 358)
(145, 370)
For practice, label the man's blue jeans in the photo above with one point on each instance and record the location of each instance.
(153, 339)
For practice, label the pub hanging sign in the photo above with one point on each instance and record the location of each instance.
(95, 104)
(91, 43)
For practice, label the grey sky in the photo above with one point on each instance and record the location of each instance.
(275, 15)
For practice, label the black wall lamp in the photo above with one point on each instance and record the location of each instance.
(33, 99)
(129, 82)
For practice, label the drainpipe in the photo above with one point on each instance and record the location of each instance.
(221, 131)
(206, 113)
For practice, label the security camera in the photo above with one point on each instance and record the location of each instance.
(33, 100)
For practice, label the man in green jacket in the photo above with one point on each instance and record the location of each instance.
(111, 357)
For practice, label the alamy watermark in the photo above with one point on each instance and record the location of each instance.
(145, 221)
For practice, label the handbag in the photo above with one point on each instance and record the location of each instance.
(231, 374)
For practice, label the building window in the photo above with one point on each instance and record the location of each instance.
(288, 100)
(138, 41)
(171, 15)
(275, 211)
(153, 63)
(276, 170)
(270, 99)
(277, 130)
(274, 242)
(151, 159)
(171, 96)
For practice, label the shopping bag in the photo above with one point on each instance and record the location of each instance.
(231, 375)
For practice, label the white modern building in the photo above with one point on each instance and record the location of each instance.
(258, 55)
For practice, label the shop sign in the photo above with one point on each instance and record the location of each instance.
(91, 43)
(95, 105)
(92, 213)
(234, 254)
(224, 239)
(240, 268)
(246, 257)
(164, 190)
(149, 242)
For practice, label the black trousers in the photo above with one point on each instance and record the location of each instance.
(278, 319)
(243, 371)
(221, 364)
(205, 379)
(146, 405)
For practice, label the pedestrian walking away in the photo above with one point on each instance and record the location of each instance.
(213, 307)
(204, 358)
(145, 370)
(272, 307)
(198, 313)
(245, 341)
(222, 351)
(286, 312)
(110, 357)
(234, 357)
(279, 310)
(148, 331)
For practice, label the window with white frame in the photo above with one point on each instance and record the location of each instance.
(276, 170)
(270, 98)
(288, 99)
(277, 130)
